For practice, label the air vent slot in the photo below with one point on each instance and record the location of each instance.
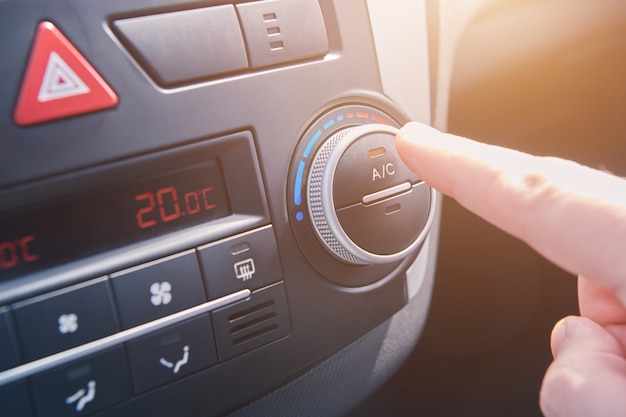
(250, 324)
(250, 311)
(255, 334)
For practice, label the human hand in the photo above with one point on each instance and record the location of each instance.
(574, 216)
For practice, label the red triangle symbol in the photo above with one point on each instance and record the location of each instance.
(59, 82)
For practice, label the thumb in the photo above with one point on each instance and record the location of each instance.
(588, 375)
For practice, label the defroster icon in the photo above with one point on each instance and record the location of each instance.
(244, 270)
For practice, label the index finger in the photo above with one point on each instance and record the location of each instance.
(573, 215)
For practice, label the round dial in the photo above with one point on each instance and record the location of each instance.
(365, 205)
(357, 212)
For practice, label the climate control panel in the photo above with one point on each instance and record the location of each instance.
(214, 235)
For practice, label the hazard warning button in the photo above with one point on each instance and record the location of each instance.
(59, 82)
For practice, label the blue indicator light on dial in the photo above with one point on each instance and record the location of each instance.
(316, 136)
(298, 188)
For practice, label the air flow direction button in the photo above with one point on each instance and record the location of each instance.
(84, 386)
(172, 353)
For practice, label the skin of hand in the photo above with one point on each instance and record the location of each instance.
(573, 215)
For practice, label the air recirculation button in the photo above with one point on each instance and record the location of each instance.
(365, 205)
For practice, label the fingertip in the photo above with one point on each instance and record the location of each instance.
(581, 333)
(417, 128)
(588, 373)
(559, 333)
(416, 133)
(403, 139)
(417, 145)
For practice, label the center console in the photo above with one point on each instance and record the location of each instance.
(201, 202)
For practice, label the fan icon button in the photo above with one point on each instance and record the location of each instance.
(161, 293)
(68, 323)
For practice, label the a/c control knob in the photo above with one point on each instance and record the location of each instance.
(365, 205)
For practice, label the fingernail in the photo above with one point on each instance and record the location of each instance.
(416, 131)
(558, 336)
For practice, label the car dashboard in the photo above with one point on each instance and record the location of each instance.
(201, 207)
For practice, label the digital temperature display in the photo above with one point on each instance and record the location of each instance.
(112, 217)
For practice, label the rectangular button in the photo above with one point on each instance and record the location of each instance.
(279, 31)
(188, 45)
(64, 319)
(158, 289)
(14, 400)
(249, 261)
(83, 387)
(172, 353)
(8, 348)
